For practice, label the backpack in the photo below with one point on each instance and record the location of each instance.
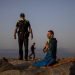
(23, 27)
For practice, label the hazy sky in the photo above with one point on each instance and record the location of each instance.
(44, 15)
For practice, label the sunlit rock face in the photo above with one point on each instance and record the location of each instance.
(18, 67)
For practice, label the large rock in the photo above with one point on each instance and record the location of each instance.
(17, 67)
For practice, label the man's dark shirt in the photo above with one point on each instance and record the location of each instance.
(54, 47)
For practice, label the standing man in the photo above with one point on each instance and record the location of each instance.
(23, 29)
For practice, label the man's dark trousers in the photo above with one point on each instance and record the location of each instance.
(23, 40)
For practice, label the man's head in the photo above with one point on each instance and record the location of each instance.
(34, 43)
(22, 15)
(50, 34)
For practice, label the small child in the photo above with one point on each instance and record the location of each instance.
(32, 51)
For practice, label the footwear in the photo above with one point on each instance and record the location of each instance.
(26, 59)
(30, 57)
(20, 58)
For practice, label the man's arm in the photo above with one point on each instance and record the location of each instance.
(45, 49)
(30, 30)
(15, 31)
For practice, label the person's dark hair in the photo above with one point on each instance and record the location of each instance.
(51, 31)
(22, 15)
(34, 43)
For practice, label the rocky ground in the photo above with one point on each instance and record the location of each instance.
(65, 66)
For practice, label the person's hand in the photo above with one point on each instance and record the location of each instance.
(14, 36)
(31, 37)
(45, 50)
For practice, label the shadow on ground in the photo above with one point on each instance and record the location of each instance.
(72, 69)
